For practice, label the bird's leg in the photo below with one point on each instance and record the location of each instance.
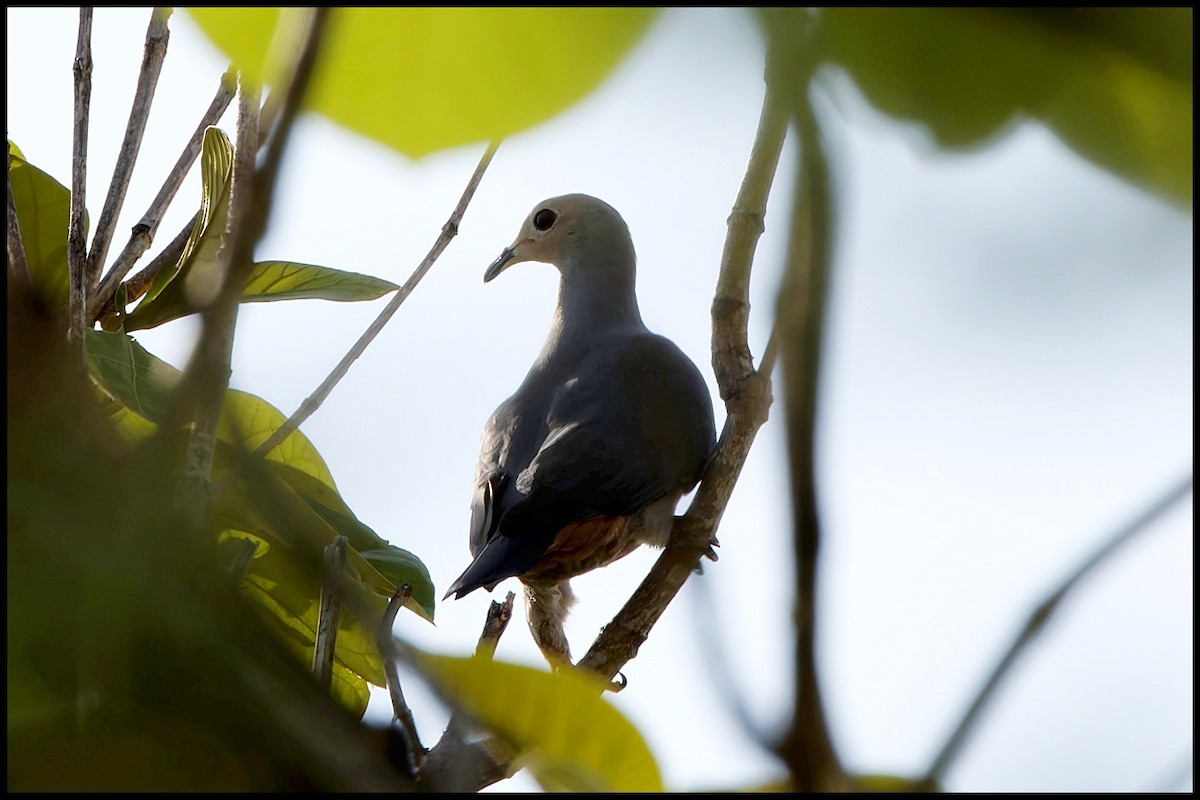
(546, 608)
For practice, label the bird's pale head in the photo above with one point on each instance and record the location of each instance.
(574, 232)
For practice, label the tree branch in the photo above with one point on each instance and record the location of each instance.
(76, 244)
(449, 231)
(1037, 620)
(157, 37)
(807, 748)
(100, 305)
(455, 766)
(329, 611)
(210, 367)
(416, 752)
(747, 395)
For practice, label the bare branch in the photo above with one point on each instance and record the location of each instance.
(416, 752)
(329, 611)
(1038, 618)
(157, 36)
(76, 245)
(18, 264)
(146, 229)
(455, 766)
(747, 395)
(449, 231)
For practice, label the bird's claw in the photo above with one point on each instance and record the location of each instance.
(618, 683)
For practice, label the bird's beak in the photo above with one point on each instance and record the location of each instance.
(498, 266)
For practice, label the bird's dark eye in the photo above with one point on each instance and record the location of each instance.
(543, 219)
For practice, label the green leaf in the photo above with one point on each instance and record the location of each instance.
(425, 79)
(285, 280)
(43, 212)
(195, 279)
(144, 383)
(576, 740)
(400, 566)
(1114, 84)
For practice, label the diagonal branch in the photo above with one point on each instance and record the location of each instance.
(145, 230)
(1037, 621)
(157, 36)
(449, 231)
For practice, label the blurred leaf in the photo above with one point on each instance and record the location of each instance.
(132, 665)
(575, 739)
(285, 280)
(195, 279)
(43, 213)
(425, 79)
(1097, 77)
(892, 783)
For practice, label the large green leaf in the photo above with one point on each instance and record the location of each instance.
(143, 383)
(285, 280)
(425, 79)
(575, 739)
(1114, 84)
(288, 505)
(43, 212)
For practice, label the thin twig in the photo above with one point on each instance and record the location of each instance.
(401, 713)
(329, 612)
(157, 37)
(1040, 616)
(76, 244)
(715, 660)
(146, 229)
(449, 231)
(18, 263)
(807, 748)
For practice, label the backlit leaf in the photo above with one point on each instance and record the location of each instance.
(426, 79)
(575, 740)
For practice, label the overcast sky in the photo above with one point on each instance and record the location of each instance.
(1007, 378)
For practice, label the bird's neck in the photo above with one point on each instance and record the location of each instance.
(587, 309)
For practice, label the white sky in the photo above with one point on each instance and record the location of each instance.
(1008, 377)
